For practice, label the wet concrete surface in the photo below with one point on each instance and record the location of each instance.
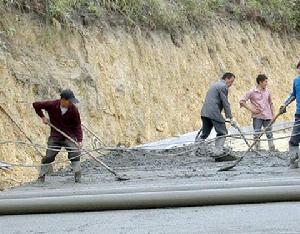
(170, 162)
(165, 168)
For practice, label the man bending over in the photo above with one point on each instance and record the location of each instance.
(64, 115)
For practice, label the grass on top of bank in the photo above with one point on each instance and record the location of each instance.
(279, 15)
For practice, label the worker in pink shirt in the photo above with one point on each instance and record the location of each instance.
(261, 108)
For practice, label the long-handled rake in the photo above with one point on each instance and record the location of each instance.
(118, 177)
(251, 146)
(93, 134)
(244, 138)
(20, 129)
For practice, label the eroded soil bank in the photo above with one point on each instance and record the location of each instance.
(134, 86)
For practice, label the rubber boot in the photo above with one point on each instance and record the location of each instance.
(271, 145)
(294, 157)
(257, 145)
(77, 171)
(201, 147)
(222, 153)
(50, 170)
(78, 177)
(219, 144)
(43, 171)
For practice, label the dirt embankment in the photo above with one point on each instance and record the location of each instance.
(134, 86)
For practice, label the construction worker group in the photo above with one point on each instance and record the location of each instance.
(64, 114)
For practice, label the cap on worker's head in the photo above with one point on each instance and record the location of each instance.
(69, 95)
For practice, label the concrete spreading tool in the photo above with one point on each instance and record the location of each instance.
(118, 177)
(251, 146)
(236, 126)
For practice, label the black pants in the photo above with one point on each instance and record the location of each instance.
(208, 124)
(295, 138)
(57, 144)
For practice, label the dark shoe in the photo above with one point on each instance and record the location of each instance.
(41, 179)
(78, 177)
(294, 163)
(226, 158)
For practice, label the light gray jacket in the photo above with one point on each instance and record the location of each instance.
(216, 100)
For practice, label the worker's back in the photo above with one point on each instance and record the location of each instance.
(297, 93)
(213, 106)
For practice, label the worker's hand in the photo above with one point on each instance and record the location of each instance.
(282, 110)
(80, 145)
(45, 120)
(233, 123)
(255, 111)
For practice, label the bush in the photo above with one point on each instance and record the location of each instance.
(174, 14)
(278, 14)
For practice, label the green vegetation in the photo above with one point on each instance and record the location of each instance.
(279, 15)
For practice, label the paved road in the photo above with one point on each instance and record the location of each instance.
(252, 218)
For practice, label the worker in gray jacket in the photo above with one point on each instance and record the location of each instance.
(211, 113)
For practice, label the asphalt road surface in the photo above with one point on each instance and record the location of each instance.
(251, 218)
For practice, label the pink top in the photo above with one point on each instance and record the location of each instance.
(261, 100)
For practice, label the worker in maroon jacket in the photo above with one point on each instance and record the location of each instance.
(64, 115)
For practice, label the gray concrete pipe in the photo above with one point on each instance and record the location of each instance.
(150, 188)
(146, 200)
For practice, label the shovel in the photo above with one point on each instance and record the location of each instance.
(251, 146)
(118, 177)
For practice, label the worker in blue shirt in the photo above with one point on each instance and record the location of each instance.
(295, 137)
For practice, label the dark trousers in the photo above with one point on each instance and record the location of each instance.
(57, 144)
(258, 124)
(295, 138)
(208, 124)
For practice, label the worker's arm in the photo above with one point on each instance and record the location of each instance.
(292, 96)
(271, 104)
(223, 93)
(243, 103)
(289, 100)
(272, 109)
(39, 107)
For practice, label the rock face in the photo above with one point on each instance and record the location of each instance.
(134, 87)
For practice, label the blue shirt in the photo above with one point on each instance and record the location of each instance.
(295, 94)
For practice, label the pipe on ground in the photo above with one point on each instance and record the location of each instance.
(145, 200)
